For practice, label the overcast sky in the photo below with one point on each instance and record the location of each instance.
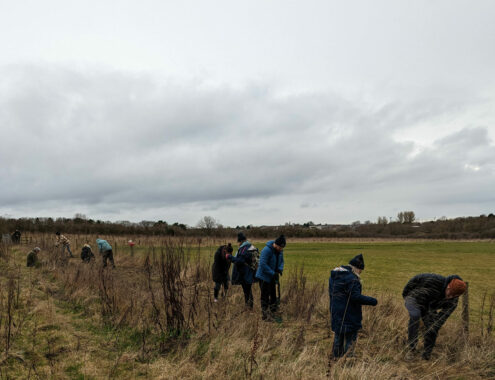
(253, 112)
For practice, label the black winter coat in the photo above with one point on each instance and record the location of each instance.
(220, 268)
(344, 289)
(428, 289)
(86, 254)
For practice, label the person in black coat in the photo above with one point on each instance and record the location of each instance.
(432, 298)
(220, 269)
(344, 287)
(16, 237)
(87, 253)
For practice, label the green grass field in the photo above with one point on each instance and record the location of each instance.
(389, 265)
(60, 329)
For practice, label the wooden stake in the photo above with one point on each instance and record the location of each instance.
(465, 310)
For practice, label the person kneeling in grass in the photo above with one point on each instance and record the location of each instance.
(433, 298)
(32, 258)
(344, 288)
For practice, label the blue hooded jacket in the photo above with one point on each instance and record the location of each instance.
(242, 273)
(270, 262)
(344, 289)
(103, 245)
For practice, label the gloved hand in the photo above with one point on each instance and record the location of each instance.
(228, 256)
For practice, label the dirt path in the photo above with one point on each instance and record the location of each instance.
(55, 339)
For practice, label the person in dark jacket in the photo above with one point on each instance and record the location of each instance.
(270, 267)
(87, 253)
(16, 237)
(245, 263)
(220, 270)
(344, 288)
(32, 258)
(432, 298)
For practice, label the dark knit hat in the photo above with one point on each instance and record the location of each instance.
(241, 237)
(280, 241)
(357, 261)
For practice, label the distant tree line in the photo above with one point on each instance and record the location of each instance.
(404, 226)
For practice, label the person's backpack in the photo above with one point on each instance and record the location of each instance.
(255, 257)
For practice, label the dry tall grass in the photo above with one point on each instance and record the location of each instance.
(160, 311)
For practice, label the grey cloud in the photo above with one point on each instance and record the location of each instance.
(102, 139)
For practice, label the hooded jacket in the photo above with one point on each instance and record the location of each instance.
(344, 289)
(242, 272)
(271, 261)
(103, 245)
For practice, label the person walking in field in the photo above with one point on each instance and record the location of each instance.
(245, 265)
(32, 259)
(106, 251)
(87, 253)
(220, 270)
(344, 288)
(62, 240)
(432, 298)
(270, 267)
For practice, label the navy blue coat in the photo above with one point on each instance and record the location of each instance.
(271, 261)
(346, 299)
(242, 273)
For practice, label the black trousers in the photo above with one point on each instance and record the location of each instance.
(431, 328)
(268, 298)
(108, 255)
(248, 294)
(343, 342)
(217, 287)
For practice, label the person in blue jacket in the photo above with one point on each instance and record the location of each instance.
(270, 267)
(245, 262)
(344, 287)
(106, 252)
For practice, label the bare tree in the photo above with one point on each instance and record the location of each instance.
(382, 220)
(406, 217)
(207, 223)
(409, 217)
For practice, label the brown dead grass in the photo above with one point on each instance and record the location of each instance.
(80, 320)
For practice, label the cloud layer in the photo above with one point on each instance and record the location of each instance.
(120, 145)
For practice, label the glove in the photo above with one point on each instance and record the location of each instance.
(227, 256)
